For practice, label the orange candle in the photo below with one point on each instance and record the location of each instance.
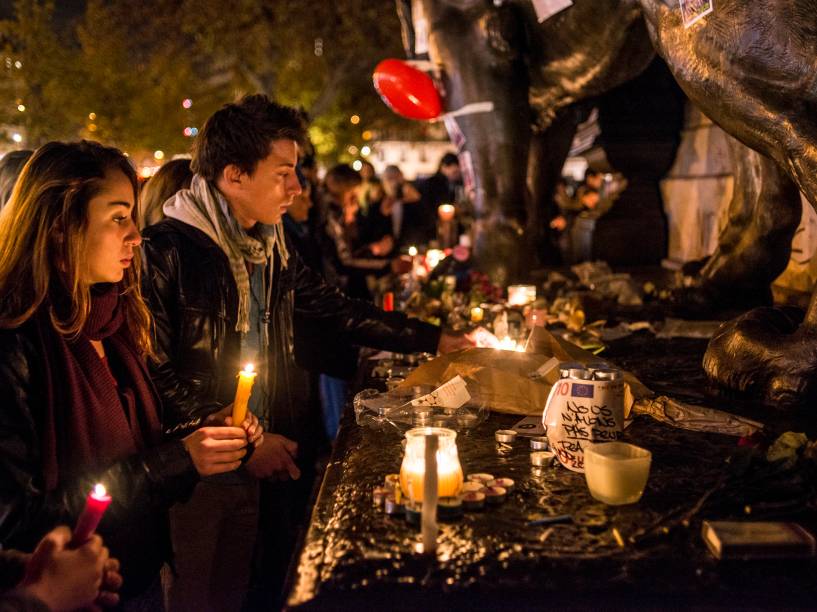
(246, 378)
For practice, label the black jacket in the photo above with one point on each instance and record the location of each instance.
(142, 486)
(193, 297)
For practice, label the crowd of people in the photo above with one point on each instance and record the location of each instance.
(125, 316)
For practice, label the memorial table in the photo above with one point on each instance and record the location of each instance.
(354, 556)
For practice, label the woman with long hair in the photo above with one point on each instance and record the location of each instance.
(173, 176)
(78, 406)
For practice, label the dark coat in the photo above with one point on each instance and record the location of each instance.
(142, 486)
(193, 297)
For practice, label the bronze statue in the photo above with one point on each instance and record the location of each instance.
(749, 66)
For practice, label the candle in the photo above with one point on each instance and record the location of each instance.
(476, 314)
(388, 301)
(412, 251)
(95, 505)
(246, 378)
(446, 212)
(449, 471)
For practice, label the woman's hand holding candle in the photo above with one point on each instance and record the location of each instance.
(68, 579)
(215, 450)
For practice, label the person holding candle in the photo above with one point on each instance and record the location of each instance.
(57, 576)
(78, 404)
(224, 284)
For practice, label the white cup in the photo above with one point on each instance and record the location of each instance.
(616, 472)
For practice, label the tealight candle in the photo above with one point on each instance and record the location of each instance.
(96, 503)
(449, 471)
(246, 378)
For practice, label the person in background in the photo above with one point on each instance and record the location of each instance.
(350, 258)
(402, 204)
(78, 405)
(170, 178)
(56, 577)
(442, 187)
(10, 167)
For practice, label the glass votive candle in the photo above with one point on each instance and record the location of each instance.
(449, 470)
(446, 212)
(616, 472)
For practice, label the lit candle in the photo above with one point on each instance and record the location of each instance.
(476, 314)
(446, 212)
(412, 251)
(95, 505)
(246, 378)
(449, 471)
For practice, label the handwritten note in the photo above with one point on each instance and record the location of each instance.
(583, 412)
(452, 394)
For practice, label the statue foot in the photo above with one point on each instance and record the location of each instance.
(705, 301)
(766, 353)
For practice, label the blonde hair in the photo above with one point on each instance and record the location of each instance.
(43, 239)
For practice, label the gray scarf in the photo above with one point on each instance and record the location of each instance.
(204, 207)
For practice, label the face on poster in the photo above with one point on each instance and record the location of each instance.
(693, 10)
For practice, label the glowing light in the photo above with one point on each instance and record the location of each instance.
(21, 108)
(187, 103)
(92, 116)
(352, 149)
(365, 150)
(367, 134)
(18, 64)
(16, 137)
(92, 127)
(249, 368)
(355, 119)
(412, 251)
(188, 131)
(148, 171)
(159, 154)
(194, 130)
(357, 165)
(100, 491)
(433, 257)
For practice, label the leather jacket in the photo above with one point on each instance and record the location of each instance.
(142, 487)
(193, 298)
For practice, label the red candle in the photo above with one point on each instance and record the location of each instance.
(95, 505)
(388, 301)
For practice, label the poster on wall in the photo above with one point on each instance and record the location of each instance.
(693, 10)
(547, 8)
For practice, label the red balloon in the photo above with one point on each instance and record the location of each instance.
(406, 90)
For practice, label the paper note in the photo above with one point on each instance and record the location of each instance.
(454, 132)
(452, 394)
(420, 24)
(547, 8)
(693, 10)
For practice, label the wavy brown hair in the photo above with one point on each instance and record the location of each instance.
(43, 240)
(173, 176)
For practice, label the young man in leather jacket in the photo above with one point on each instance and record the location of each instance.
(223, 285)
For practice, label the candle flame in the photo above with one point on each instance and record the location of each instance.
(99, 490)
(249, 368)
(412, 251)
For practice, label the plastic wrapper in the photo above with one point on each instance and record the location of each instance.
(409, 406)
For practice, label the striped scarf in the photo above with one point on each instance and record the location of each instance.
(205, 208)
